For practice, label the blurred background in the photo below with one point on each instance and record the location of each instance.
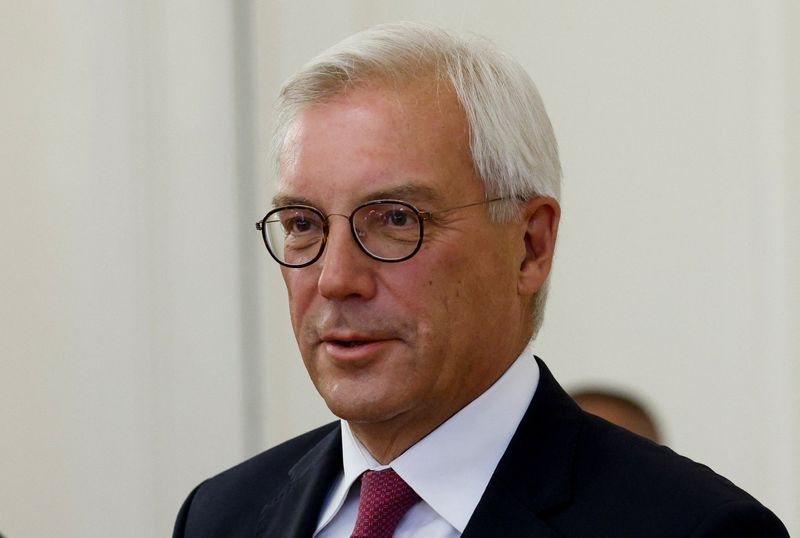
(145, 339)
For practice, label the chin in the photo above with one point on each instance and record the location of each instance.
(361, 410)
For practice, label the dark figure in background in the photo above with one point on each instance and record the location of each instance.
(620, 409)
(415, 222)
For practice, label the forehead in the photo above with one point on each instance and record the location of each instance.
(378, 142)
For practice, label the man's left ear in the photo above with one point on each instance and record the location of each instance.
(541, 216)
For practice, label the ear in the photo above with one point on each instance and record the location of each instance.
(541, 216)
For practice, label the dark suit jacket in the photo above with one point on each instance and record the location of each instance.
(565, 473)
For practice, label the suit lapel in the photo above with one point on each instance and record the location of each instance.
(533, 476)
(295, 510)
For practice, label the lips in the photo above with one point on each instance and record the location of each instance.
(351, 339)
(350, 347)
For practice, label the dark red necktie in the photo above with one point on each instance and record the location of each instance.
(385, 499)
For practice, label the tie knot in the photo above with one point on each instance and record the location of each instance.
(385, 499)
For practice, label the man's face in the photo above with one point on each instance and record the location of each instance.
(409, 342)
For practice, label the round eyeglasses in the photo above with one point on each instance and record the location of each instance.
(386, 230)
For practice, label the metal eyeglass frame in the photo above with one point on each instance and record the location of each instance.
(422, 216)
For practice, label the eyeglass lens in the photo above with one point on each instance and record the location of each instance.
(388, 231)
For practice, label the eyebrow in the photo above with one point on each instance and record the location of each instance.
(281, 199)
(404, 192)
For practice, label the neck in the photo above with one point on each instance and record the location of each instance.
(386, 442)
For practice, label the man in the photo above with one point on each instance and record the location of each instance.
(415, 220)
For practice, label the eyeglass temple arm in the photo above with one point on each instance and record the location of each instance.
(425, 215)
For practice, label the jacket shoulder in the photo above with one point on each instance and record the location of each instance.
(620, 476)
(597, 479)
(233, 499)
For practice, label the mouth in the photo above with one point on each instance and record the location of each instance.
(354, 348)
(349, 343)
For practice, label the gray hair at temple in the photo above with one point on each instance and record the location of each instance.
(514, 149)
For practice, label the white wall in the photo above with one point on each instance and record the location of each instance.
(120, 369)
(145, 340)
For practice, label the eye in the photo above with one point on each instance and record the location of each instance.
(387, 220)
(298, 225)
(299, 222)
(396, 217)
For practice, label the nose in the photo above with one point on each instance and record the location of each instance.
(347, 272)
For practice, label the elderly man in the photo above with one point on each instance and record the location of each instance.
(415, 222)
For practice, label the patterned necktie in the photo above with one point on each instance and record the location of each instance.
(385, 499)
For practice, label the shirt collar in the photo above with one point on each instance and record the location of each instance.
(475, 438)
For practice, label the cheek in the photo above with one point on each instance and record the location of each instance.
(466, 294)
(289, 277)
(435, 301)
(300, 289)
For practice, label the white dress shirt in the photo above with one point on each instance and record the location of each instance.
(449, 468)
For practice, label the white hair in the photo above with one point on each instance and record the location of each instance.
(513, 146)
